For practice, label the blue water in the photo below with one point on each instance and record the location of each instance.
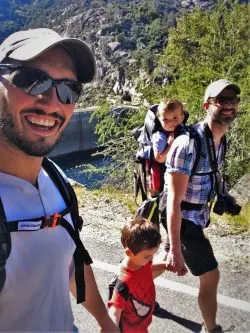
(83, 168)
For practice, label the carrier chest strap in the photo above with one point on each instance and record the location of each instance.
(38, 223)
(185, 205)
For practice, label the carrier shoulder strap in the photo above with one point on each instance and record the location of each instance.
(194, 135)
(66, 191)
(2, 212)
(140, 179)
(81, 255)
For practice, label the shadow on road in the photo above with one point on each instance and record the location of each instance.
(189, 324)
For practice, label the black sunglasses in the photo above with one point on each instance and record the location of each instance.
(35, 82)
(225, 99)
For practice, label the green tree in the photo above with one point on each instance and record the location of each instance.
(114, 129)
(205, 46)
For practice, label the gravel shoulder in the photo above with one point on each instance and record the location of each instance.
(104, 217)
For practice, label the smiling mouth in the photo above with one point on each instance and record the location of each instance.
(42, 124)
(227, 111)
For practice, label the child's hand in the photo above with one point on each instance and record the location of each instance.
(170, 138)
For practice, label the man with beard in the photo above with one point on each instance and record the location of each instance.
(41, 76)
(189, 195)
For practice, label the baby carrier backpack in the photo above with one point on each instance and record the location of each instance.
(143, 135)
(81, 255)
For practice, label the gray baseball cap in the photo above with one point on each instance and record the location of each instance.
(29, 44)
(216, 87)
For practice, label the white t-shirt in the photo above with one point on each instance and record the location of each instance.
(35, 296)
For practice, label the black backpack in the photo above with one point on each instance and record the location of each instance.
(149, 209)
(81, 255)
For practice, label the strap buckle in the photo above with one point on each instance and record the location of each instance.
(52, 221)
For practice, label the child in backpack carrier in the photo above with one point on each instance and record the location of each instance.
(170, 115)
(133, 299)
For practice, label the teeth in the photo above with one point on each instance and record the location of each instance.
(41, 122)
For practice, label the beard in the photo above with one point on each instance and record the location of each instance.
(223, 119)
(16, 137)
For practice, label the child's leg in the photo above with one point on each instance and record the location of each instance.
(155, 178)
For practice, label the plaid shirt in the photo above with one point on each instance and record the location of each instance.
(200, 189)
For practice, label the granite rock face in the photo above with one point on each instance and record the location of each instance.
(241, 191)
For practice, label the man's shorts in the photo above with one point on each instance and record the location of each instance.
(196, 249)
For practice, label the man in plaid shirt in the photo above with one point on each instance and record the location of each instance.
(188, 196)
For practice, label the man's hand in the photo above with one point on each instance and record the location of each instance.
(175, 263)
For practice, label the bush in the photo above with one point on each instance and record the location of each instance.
(114, 130)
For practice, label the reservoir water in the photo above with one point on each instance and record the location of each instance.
(83, 168)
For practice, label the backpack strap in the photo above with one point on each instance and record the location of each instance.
(122, 289)
(5, 245)
(198, 147)
(140, 179)
(66, 191)
(119, 286)
(81, 255)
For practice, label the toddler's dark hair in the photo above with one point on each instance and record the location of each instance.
(140, 234)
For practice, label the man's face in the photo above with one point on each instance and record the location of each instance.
(34, 124)
(223, 108)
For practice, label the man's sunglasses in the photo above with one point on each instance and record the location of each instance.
(223, 100)
(35, 82)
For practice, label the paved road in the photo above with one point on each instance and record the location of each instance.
(176, 295)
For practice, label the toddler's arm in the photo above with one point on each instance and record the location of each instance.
(115, 314)
(158, 268)
(162, 156)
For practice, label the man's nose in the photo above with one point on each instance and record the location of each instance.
(49, 97)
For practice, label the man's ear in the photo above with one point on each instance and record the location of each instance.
(205, 105)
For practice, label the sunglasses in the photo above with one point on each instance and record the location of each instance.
(223, 100)
(35, 82)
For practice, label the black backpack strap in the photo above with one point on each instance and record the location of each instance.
(5, 245)
(119, 286)
(66, 191)
(140, 179)
(198, 147)
(122, 289)
(2, 212)
(81, 255)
